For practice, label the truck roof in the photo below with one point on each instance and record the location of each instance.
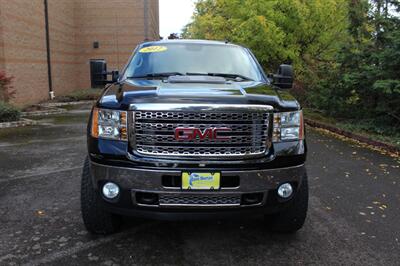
(189, 41)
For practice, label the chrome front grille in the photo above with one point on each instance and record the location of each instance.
(163, 138)
(214, 116)
(199, 200)
(154, 133)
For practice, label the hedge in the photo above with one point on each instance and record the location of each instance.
(8, 113)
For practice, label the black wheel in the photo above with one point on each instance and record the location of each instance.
(292, 218)
(96, 219)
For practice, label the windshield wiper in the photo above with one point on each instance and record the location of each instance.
(157, 75)
(224, 75)
(236, 77)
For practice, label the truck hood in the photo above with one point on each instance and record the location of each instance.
(122, 95)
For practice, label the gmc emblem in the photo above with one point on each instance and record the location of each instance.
(191, 133)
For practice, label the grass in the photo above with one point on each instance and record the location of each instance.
(368, 128)
(80, 95)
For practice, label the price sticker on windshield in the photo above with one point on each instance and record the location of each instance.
(153, 49)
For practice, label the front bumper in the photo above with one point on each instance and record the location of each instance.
(174, 203)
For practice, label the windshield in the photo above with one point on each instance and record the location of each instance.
(192, 59)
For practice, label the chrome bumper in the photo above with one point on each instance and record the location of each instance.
(134, 180)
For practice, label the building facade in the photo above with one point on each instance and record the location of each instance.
(47, 44)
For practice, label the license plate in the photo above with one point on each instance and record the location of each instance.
(203, 180)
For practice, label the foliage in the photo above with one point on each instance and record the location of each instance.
(366, 127)
(367, 82)
(277, 31)
(8, 112)
(346, 53)
(6, 90)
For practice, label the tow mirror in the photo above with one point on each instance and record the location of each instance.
(114, 76)
(284, 78)
(98, 73)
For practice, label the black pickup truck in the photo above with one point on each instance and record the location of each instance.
(194, 129)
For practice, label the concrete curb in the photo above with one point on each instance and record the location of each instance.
(53, 108)
(21, 123)
(58, 104)
(52, 111)
(360, 138)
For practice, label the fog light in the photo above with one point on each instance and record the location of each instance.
(110, 190)
(285, 190)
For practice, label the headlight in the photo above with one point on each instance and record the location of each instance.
(109, 124)
(288, 126)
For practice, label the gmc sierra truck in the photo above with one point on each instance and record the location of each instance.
(193, 129)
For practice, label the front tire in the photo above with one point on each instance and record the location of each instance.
(95, 218)
(292, 218)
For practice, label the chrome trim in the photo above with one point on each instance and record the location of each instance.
(223, 189)
(195, 205)
(150, 180)
(211, 156)
(197, 107)
(174, 171)
(202, 205)
(198, 200)
(151, 118)
(198, 193)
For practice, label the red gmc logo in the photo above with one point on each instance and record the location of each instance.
(191, 133)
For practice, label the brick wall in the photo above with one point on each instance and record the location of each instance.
(154, 30)
(24, 48)
(118, 26)
(1, 41)
(64, 49)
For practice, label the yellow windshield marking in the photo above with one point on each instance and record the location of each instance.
(153, 49)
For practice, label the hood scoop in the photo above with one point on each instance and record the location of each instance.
(196, 79)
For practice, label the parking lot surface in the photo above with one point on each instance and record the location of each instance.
(353, 213)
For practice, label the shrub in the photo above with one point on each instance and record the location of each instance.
(7, 92)
(8, 112)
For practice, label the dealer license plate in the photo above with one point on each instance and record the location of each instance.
(193, 180)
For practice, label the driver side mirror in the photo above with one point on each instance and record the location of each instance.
(114, 76)
(98, 73)
(284, 78)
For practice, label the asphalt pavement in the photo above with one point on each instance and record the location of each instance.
(354, 215)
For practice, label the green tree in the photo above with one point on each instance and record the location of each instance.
(278, 31)
(367, 82)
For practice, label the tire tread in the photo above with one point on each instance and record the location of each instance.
(95, 218)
